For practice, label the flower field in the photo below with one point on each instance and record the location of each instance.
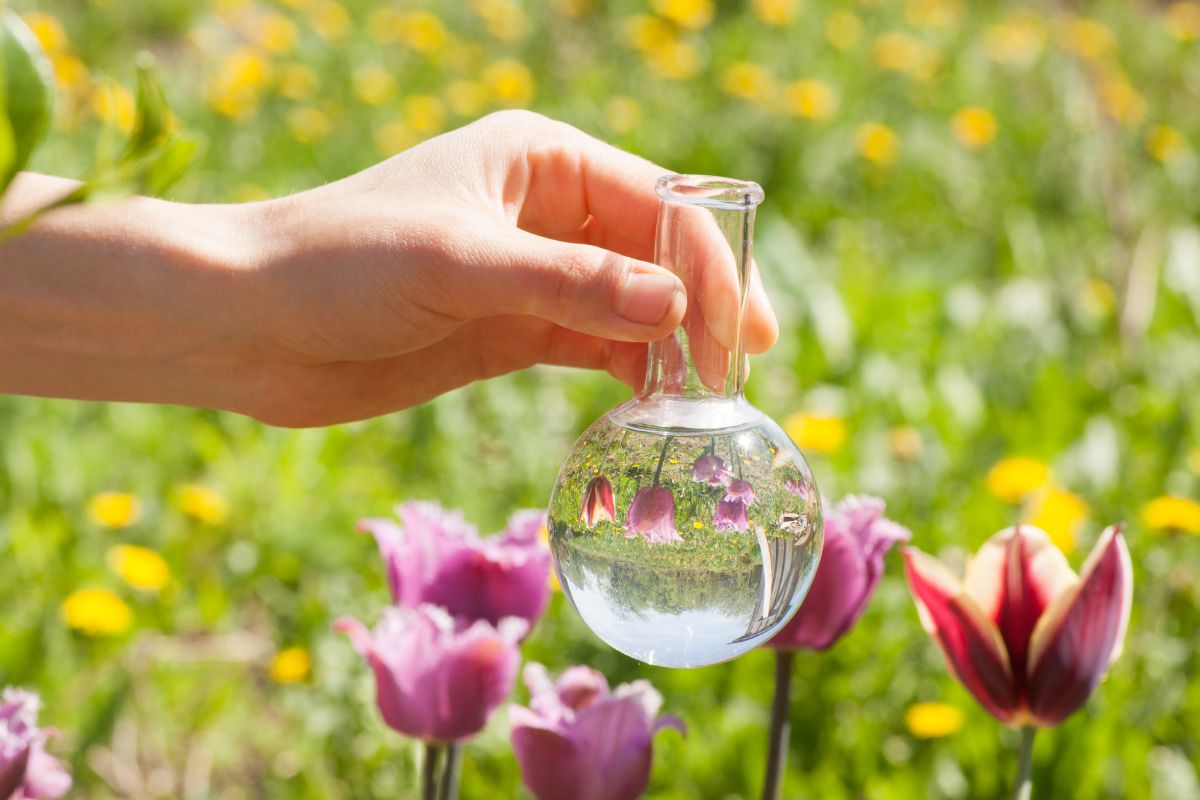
(982, 236)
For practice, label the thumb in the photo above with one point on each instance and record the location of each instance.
(577, 286)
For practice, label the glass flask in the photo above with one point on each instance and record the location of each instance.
(685, 525)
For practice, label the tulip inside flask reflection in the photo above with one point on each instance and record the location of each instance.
(685, 525)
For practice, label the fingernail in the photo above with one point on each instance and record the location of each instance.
(646, 298)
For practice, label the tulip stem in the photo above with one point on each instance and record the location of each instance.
(1023, 788)
(429, 774)
(662, 457)
(778, 746)
(451, 772)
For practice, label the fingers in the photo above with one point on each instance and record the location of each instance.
(761, 327)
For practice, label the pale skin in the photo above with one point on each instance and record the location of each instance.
(514, 241)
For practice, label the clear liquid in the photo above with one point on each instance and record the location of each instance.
(698, 576)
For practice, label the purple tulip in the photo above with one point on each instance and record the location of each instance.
(27, 771)
(578, 741)
(796, 487)
(437, 557)
(1025, 634)
(598, 502)
(733, 510)
(436, 679)
(652, 515)
(857, 537)
(710, 469)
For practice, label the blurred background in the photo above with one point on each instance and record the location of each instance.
(981, 237)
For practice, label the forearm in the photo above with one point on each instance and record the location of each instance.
(140, 300)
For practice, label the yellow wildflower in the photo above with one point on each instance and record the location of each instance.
(231, 11)
(1122, 102)
(114, 509)
(196, 500)
(277, 34)
(116, 105)
(48, 30)
(297, 82)
(393, 137)
(900, 52)
(504, 19)
(291, 665)
(648, 33)
(974, 127)
(573, 8)
(747, 80)
(1012, 479)
(1017, 40)
(933, 720)
(246, 66)
(309, 124)
(373, 84)
(423, 31)
(140, 567)
(424, 113)
(1086, 38)
(692, 14)
(96, 612)
(466, 98)
(905, 442)
(510, 82)
(622, 114)
(1165, 143)
(877, 143)
(1171, 513)
(330, 20)
(71, 73)
(843, 30)
(817, 433)
(675, 60)
(1099, 299)
(697, 524)
(776, 12)
(1059, 513)
(1183, 20)
(933, 13)
(810, 98)
(552, 579)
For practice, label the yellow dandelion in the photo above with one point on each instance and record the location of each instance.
(843, 30)
(1086, 38)
(1012, 479)
(1122, 102)
(424, 113)
(140, 567)
(1183, 20)
(246, 67)
(394, 137)
(505, 20)
(196, 500)
(1060, 514)
(933, 720)
(1165, 144)
(114, 509)
(308, 124)
(691, 14)
(675, 60)
(71, 73)
(96, 612)
(466, 98)
(877, 143)
(423, 31)
(648, 33)
(291, 665)
(933, 13)
(277, 34)
(1017, 40)
(697, 524)
(747, 80)
(330, 20)
(48, 30)
(622, 114)
(1172, 513)
(900, 52)
(510, 82)
(116, 105)
(296, 82)
(776, 12)
(810, 98)
(905, 442)
(817, 433)
(974, 127)
(373, 84)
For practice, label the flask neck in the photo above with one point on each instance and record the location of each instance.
(704, 236)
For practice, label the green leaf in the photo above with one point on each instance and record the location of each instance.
(167, 166)
(28, 91)
(153, 116)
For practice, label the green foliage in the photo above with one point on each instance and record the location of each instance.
(26, 95)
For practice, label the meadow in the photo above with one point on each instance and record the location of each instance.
(981, 235)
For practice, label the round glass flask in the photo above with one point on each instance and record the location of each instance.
(685, 524)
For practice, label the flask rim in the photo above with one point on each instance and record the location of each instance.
(709, 191)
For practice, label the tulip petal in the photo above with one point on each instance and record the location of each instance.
(1080, 635)
(836, 598)
(45, 776)
(551, 764)
(12, 775)
(971, 643)
(616, 736)
(360, 637)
